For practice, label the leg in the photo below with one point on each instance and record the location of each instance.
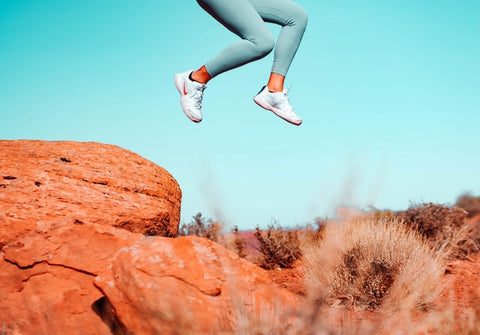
(294, 19)
(240, 17)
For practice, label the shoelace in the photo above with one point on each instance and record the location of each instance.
(197, 95)
(284, 102)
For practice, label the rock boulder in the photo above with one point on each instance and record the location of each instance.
(43, 184)
(46, 279)
(74, 258)
(192, 285)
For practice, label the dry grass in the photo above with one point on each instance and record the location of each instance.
(469, 203)
(239, 243)
(367, 274)
(279, 247)
(198, 226)
(434, 221)
(266, 319)
(447, 321)
(443, 226)
(368, 264)
(313, 234)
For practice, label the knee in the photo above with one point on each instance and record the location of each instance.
(264, 44)
(299, 16)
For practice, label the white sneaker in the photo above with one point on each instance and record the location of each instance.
(191, 95)
(278, 103)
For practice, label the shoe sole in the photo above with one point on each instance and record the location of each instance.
(179, 85)
(265, 105)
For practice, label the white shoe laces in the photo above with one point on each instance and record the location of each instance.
(284, 103)
(197, 95)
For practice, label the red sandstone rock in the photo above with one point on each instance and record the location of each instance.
(190, 285)
(46, 279)
(66, 267)
(48, 299)
(88, 248)
(43, 184)
(147, 285)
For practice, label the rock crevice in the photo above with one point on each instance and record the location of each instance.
(31, 266)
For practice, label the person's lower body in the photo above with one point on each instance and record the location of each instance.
(246, 18)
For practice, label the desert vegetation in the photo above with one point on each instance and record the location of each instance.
(443, 227)
(278, 247)
(469, 203)
(370, 264)
(67, 266)
(239, 243)
(368, 272)
(201, 227)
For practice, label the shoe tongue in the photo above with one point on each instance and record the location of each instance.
(199, 85)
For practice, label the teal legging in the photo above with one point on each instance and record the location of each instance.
(246, 19)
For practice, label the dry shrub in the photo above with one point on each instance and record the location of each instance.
(239, 243)
(469, 203)
(201, 227)
(443, 226)
(252, 317)
(433, 220)
(369, 264)
(279, 247)
(474, 235)
(311, 234)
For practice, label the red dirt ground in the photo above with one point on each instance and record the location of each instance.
(466, 278)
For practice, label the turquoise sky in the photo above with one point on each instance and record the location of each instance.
(389, 92)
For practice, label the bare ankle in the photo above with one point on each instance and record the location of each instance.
(201, 75)
(274, 89)
(275, 82)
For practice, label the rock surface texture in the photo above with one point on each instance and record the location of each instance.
(75, 257)
(190, 284)
(50, 183)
